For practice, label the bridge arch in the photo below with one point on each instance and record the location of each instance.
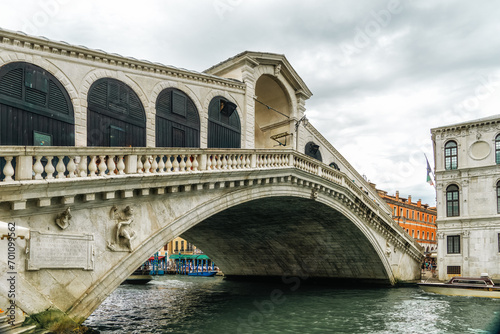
(208, 211)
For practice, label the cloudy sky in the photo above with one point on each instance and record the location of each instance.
(383, 72)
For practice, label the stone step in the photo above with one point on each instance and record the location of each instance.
(3, 318)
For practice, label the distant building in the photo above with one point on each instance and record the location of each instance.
(181, 246)
(417, 219)
(467, 169)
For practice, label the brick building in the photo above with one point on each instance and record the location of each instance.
(417, 219)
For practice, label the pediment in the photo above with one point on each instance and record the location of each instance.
(237, 66)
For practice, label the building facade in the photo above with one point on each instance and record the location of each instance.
(467, 170)
(417, 219)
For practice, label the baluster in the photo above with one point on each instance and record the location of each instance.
(236, 161)
(49, 169)
(8, 170)
(168, 164)
(102, 165)
(224, 162)
(209, 161)
(248, 162)
(38, 167)
(147, 164)
(82, 166)
(120, 165)
(189, 164)
(273, 160)
(175, 165)
(219, 162)
(229, 162)
(111, 165)
(266, 160)
(182, 164)
(154, 164)
(195, 163)
(71, 167)
(140, 166)
(161, 164)
(60, 167)
(92, 165)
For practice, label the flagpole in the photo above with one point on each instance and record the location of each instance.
(430, 171)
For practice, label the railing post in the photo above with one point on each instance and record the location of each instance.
(24, 168)
(290, 160)
(253, 160)
(320, 171)
(131, 164)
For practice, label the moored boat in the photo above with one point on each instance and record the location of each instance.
(140, 276)
(464, 286)
(202, 273)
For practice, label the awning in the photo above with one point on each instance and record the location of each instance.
(159, 258)
(189, 257)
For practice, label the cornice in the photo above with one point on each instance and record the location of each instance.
(488, 121)
(16, 40)
(254, 59)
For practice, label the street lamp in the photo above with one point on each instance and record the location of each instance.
(303, 120)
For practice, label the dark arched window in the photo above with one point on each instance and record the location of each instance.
(334, 166)
(312, 150)
(224, 129)
(115, 115)
(177, 120)
(452, 201)
(498, 197)
(35, 108)
(497, 149)
(450, 155)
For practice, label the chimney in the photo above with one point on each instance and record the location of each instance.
(419, 203)
(397, 195)
(409, 199)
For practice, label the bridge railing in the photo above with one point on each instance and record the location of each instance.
(22, 163)
(46, 163)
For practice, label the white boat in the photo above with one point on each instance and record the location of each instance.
(464, 286)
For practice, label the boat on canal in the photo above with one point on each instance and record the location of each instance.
(140, 276)
(464, 286)
(202, 273)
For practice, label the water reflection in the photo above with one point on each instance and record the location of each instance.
(176, 304)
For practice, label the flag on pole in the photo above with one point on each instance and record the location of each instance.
(429, 172)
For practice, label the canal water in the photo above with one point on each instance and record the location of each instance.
(178, 304)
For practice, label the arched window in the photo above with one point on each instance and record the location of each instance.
(177, 120)
(312, 150)
(497, 149)
(35, 108)
(115, 115)
(452, 201)
(450, 155)
(498, 197)
(334, 166)
(224, 129)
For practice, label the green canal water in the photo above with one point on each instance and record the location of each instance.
(178, 304)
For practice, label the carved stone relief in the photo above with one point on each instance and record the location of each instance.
(64, 218)
(123, 234)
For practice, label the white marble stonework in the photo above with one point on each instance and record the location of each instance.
(115, 206)
(477, 176)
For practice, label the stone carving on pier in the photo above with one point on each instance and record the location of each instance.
(63, 219)
(277, 70)
(314, 193)
(123, 234)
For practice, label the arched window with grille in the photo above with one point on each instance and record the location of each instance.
(224, 129)
(452, 201)
(312, 150)
(451, 155)
(115, 115)
(35, 108)
(177, 120)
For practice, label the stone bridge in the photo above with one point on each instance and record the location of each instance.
(105, 158)
(257, 213)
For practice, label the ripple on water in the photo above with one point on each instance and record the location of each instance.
(212, 305)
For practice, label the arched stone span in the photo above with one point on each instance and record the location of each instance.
(326, 223)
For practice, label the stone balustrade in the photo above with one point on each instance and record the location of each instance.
(31, 164)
